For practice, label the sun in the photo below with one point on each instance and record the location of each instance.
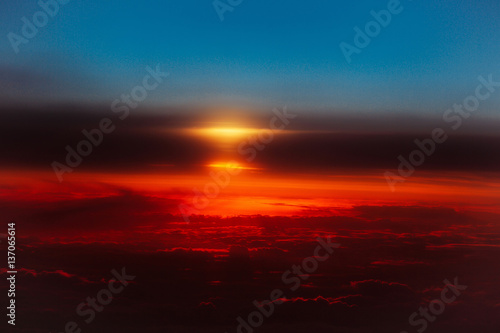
(226, 132)
(231, 166)
(225, 138)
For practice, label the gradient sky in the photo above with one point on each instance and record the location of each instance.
(264, 53)
(126, 201)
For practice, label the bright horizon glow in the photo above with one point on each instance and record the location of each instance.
(256, 192)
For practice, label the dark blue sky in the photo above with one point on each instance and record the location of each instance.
(263, 53)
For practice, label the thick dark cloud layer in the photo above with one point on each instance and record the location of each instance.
(32, 138)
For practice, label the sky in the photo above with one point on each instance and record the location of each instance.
(427, 58)
(261, 138)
